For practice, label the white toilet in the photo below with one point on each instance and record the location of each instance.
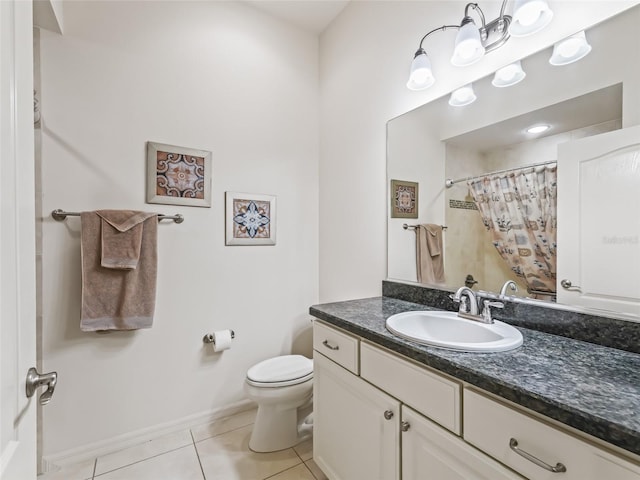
(282, 387)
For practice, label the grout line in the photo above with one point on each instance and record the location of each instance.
(312, 474)
(197, 454)
(217, 434)
(95, 465)
(95, 477)
(285, 470)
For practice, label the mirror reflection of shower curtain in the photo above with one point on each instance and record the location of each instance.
(518, 208)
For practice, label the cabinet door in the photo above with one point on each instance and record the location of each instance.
(356, 433)
(431, 453)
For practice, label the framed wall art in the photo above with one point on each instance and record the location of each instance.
(250, 219)
(178, 175)
(404, 199)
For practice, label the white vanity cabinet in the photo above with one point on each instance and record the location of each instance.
(539, 448)
(431, 453)
(356, 433)
(358, 426)
(381, 416)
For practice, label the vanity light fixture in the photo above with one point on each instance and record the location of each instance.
(529, 16)
(509, 75)
(570, 50)
(462, 96)
(538, 128)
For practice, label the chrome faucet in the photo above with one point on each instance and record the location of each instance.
(472, 307)
(509, 284)
(469, 310)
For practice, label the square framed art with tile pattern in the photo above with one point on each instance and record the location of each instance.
(250, 219)
(404, 199)
(178, 175)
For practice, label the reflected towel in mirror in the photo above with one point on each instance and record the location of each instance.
(429, 258)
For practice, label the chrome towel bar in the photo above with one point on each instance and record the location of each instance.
(61, 215)
(412, 227)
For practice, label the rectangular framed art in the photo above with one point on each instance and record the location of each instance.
(178, 175)
(404, 199)
(250, 219)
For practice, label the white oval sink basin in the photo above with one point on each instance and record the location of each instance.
(448, 330)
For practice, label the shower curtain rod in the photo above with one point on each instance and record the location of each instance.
(450, 183)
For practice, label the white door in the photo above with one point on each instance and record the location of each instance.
(430, 452)
(17, 239)
(356, 434)
(599, 222)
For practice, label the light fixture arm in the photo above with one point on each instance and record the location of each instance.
(442, 28)
(467, 19)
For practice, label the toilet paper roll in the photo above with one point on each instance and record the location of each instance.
(221, 340)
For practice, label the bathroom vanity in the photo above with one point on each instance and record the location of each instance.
(387, 408)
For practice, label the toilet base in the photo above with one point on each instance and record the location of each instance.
(276, 428)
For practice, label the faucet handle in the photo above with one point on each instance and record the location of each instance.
(489, 303)
(486, 311)
(463, 301)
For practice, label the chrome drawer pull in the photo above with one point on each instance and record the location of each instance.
(559, 468)
(388, 414)
(331, 347)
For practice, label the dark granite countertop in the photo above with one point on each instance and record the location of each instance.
(592, 388)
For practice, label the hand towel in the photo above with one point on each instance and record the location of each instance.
(429, 258)
(117, 299)
(121, 237)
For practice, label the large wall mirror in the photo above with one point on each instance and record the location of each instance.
(437, 141)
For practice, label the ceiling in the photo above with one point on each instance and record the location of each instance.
(591, 109)
(310, 15)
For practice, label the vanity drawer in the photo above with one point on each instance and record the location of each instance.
(430, 393)
(340, 347)
(490, 426)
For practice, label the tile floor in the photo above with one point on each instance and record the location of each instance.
(216, 451)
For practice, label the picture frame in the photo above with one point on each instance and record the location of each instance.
(250, 219)
(404, 199)
(178, 175)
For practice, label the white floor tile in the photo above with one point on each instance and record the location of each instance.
(78, 471)
(181, 464)
(300, 472)
(143, 451)
(228, 457)
(224, 425)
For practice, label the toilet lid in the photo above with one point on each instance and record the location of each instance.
(281, 371)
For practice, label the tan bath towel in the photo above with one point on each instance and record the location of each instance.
(118, 298)
(429, 258)
(121, 237)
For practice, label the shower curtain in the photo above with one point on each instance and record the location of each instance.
(518, 208)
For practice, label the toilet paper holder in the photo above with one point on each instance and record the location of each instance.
(208, 338)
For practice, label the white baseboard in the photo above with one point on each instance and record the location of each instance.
(53, 462)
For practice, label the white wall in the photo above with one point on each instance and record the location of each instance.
(218, 76)
(365, 58)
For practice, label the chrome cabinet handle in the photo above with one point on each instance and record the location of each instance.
(331, 347)
(35, 380)
(559, 468)
(388, 414)
(404, 426)
(566, 284)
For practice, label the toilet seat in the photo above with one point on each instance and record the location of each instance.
(281, 371)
